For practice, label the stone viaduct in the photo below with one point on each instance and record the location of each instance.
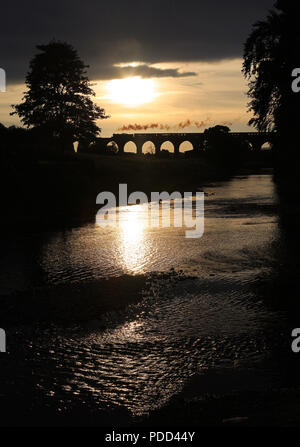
(255, 139)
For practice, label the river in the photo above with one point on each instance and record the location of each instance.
(202, 309)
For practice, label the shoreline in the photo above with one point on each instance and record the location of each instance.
(53, 218)
(68, 191)
(82, 303)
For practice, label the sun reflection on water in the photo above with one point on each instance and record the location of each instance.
(133, 225)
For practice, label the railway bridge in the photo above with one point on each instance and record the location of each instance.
(255, 139)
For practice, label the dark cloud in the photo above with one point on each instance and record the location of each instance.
(144, 71)
(115, 32)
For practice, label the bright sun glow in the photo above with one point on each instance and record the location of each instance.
(131, 91)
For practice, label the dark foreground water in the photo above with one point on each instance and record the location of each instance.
(203, 309)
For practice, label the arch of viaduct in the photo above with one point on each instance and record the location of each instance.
(257, 140)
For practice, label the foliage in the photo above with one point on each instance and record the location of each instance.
(271, 53)
(58, 97)
(222, 148)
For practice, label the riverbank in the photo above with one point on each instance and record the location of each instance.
(244, 407)
(62, 192)
(83, 303)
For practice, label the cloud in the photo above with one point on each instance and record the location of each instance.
(145, 71)
(119, 32)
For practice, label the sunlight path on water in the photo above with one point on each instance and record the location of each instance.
(239, 218)
(200, 309)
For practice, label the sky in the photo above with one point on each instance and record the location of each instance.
(156, 66)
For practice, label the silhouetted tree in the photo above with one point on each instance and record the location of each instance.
(3, 138)
(216, 141)
(222, 148)
(270, 55)
(58, 97)
(112, 148)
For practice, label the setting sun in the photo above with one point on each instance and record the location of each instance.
(131, 91)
